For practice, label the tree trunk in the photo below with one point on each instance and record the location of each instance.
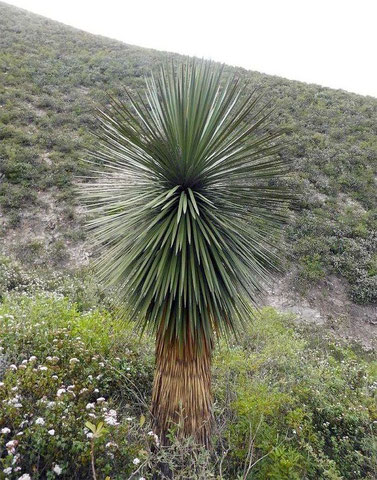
(182, 391)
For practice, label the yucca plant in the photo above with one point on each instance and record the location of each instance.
(186, 213)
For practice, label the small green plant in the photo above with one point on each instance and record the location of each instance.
(98, 431)
(312, 268)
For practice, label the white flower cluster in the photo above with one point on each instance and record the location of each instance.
(111, 445)
(11, 446)
(155, 437)
(15, 401)
(57, 469)
(60, 392)
(110, 417)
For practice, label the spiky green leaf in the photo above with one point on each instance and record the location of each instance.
(186, 211)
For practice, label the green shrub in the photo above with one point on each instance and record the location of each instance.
(12, 276)
(13, 197)
(312, 267)
(306, 406)
(66, 371)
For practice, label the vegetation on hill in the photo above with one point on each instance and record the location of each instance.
(289, 403)
(52, 77)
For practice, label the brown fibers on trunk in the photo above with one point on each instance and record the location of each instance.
(182, 390)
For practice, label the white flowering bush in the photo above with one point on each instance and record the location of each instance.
(80, 287)
(12, 276)
(64, 371)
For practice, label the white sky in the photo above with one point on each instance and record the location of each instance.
(329, 42)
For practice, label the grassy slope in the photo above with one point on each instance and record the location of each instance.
(51, 79)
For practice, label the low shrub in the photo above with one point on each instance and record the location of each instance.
(304, 405)
(66, 369)
(289, 403)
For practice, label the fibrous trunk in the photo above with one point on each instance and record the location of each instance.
(182, 390)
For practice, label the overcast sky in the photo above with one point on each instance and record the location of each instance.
(329, 42)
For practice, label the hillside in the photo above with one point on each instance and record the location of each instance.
(52, 77)
(294, 397)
